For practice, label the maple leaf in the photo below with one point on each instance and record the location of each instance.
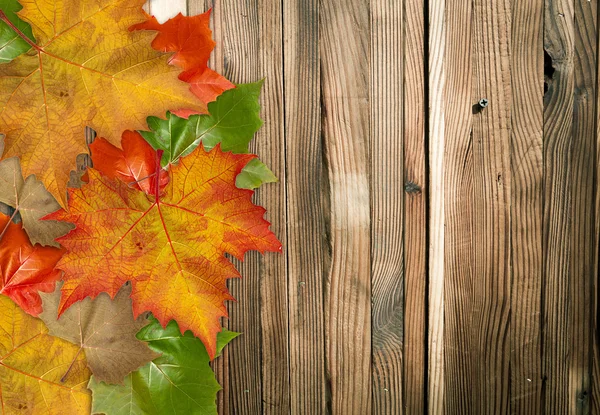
(25, 269)
(11, 44)
(190, 38)
(171, 247)
(39, 373)
(232, 121)
(32, 201)
(179, 382)
(104, 329)
(135, 164)
(87, 69)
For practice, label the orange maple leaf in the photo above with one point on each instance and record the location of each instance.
(85, 69)
(171, 247)
(25, 268)
(190, 38)
(135, 164)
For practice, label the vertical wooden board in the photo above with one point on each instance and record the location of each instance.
(570, 197)
(250, 35)
(308, 250)
(415, 209)
(345, 62)
(583, 197)
(595, 375)
(491, 221)
(460, 356)
(527, 120)
(558, 125)
(436, 141)
(386, 165)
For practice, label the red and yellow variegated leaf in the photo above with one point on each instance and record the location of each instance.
(171, 247)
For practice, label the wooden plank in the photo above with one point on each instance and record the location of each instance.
(459, 355)
(477, 209)
(415, 209)
(387, 197)
(570, 227)
(527, 67)
(308, 250)
(583, 213)
(436, 125)
(595, 375)
(558, 120)
(491, 203)
(559, 44)
(250, 34)
(345, 89)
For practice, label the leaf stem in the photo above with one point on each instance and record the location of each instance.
(22, 35)
(131, 184)
(64, 378)
(159, 154)
(8, 223)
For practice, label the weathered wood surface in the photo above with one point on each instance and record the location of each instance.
(439, 256)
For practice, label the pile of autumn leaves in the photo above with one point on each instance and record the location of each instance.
(114, 281)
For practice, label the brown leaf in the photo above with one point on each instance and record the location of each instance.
(33, 201)
(104, 329)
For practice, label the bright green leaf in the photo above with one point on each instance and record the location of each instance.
(180, 381)
(223, 339)
(11, 44)
(232, 121)
(254, 174)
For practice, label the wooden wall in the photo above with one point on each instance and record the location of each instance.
(439, 257)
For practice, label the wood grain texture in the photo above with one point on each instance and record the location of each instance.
(345, 98)
(559, 45)
(570, 211)
(526, 152)
(491, 202)
(436, 218)
(415, 202)
(309, 252)
(595, 321)
(583, 213)
(460, 355)
(387, 195)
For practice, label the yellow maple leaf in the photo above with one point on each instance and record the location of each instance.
(85, 69)
(39, 373)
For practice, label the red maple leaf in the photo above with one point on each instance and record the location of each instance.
(135, 164)
(25, 268)
(190, 38)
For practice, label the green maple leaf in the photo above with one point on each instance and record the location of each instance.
(180, 381)
(232, 121)
(11, 44)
